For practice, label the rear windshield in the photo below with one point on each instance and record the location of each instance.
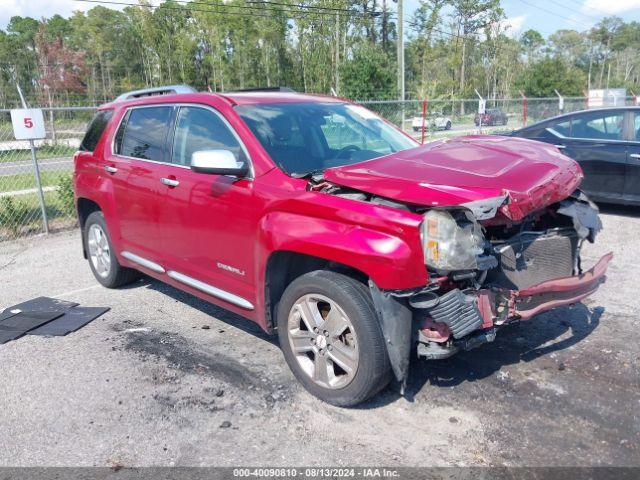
(94, 132)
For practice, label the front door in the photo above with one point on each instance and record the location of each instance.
(632, 174)
(139, 152)
(208, 226)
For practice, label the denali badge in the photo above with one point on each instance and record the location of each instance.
(231, 269)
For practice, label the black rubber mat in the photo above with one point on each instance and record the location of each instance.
(40, 304)
(19, 324)
(70, 321)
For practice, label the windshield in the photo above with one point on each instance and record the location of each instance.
(308, 137)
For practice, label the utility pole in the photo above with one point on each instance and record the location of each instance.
(337, 53)
(400, 52)
(400, 42)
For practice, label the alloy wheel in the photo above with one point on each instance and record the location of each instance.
(323, 341)
(99, 251)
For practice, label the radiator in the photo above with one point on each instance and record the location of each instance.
(532, 258)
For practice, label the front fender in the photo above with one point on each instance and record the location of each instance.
(385, 258)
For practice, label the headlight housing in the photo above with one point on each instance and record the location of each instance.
(451, 240)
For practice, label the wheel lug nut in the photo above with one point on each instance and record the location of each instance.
(326, 334)
(329, 347)
(312, 340)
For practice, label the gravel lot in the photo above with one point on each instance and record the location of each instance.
(166, 379)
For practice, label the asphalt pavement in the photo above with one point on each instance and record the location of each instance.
(166, 379)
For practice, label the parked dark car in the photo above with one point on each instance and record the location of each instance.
(606, 144)
(491, 116)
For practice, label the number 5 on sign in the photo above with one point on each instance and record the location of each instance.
(28, 123)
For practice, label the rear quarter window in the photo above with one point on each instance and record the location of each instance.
(95, 130)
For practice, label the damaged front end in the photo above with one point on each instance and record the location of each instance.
(487, 271)
(535, 267)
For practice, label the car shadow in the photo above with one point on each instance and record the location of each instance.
(621, 210)
(219, 313)
(515, 343)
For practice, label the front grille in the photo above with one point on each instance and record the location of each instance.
(532, 258)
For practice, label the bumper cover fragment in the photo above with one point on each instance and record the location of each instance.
(531, 301)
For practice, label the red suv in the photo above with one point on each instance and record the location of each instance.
(318, 220)
(492, 116)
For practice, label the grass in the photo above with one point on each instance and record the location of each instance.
(30, 221)
(24, 181)
(45, 151)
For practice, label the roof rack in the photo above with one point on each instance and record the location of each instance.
(266, 89)
(148, 92)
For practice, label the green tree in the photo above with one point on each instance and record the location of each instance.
(549, 74)
(473, 16)
(532, 41)
(370, 74)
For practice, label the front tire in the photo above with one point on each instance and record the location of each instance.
(447, 126)
(102, 257)
(331, 338)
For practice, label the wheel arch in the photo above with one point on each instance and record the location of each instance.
(284, 266)
(85, 207)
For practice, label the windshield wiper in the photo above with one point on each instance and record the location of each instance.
(313, 174)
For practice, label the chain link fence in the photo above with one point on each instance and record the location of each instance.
(20, 213)
(443, 118)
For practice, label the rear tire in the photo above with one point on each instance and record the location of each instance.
(331, 338)
(102, 257)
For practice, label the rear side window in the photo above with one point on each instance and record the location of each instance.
(144, 133)
(562, 128)
(95, 130)
(598, 125)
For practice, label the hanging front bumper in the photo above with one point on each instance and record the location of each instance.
(446, 328)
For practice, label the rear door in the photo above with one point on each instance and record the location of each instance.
(596, 141)
(135, 166)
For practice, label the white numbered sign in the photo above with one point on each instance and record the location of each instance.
(28, 123)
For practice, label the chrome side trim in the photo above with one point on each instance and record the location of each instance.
(211, 290)
(143, 261)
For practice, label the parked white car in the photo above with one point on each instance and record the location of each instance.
(438, 122)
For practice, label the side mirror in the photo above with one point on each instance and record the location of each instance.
(218, 162)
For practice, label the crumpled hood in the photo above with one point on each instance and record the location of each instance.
(465, 169)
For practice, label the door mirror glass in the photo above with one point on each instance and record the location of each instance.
(218, 162)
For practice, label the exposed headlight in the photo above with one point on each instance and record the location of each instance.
(451, 240)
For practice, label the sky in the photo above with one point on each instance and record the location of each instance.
(546, 16)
